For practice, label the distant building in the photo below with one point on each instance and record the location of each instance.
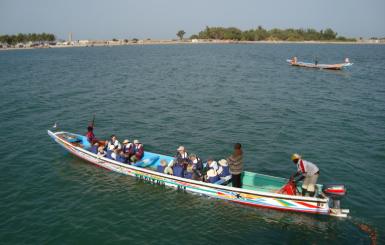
(84, 42)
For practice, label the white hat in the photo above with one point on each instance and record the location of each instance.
(180, 148)
(136, 142)
(212, 173)
(126, 141)
(214, 165)
(223, 162)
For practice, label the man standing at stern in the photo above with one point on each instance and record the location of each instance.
(235, 162)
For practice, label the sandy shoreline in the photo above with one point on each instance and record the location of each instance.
(189, 42)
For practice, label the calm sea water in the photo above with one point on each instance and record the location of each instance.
(203, 96)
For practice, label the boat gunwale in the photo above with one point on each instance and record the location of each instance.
(199, 183)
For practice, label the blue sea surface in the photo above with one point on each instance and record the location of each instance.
(206, 97)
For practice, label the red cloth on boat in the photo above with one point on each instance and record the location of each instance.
(91, 137)
(289, 188)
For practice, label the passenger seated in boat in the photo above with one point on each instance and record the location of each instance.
(114, 142)
(121, 157)
(178, 170)
(128, 148)
(188, 173)
(115, 154)
(139, 151)
(110, 150)
(211, 164)
(197, 167)
(168, 169)
(223, 169)
(101, 151)
(212, 176)
(294, 60)
(162, 166)
(90, 134)
(94, 148)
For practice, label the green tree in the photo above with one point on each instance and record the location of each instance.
(180, 34)
(195, 36)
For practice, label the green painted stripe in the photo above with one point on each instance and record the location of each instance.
(285, 203)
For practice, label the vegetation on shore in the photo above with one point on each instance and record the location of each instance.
(180, 34)
(24, 38)
(261, 34)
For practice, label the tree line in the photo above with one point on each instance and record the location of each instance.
(275, 34)
(24, 38)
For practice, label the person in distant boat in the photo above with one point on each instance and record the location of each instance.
(101, 151)
(197, 167)
(347, 60)
(128, 148)
(294, 60)
(114, 142)
(212, 176)
(223, 170)
(316, 61)
(235, 162)
(94, 148)
(139, 151)
(90, 134)
(308, 171)
(162, 166)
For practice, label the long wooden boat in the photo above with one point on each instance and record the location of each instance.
(320, 66)
(258, 190)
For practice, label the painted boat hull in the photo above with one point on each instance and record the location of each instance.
(247, 197)
(320, 66)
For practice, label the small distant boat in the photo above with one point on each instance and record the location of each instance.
(340, 66)
(258, 190)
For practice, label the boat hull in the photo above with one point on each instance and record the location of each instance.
(320, 66)
(237, 195)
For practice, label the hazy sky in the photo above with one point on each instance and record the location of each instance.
(157, 19)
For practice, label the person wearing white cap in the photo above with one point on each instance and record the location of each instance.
(212, 176)
(181, 161)
(223, 170)
(308, 171)
(182, 153)
(139, 151)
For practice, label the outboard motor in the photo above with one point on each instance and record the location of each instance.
(335, 192)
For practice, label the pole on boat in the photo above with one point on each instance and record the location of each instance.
(93, 121)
